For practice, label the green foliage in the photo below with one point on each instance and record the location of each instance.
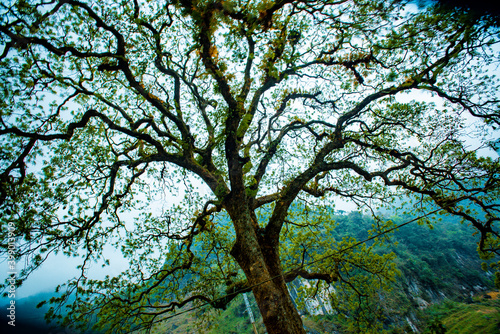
(254, 117)
(447, 253)
(436, 327)
(452, 317)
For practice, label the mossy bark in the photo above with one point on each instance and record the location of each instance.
(259, 259)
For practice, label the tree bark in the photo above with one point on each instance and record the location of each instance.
(260, 261)
(277, 309)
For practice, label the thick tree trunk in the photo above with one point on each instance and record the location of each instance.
(277, 309)
(260, 262)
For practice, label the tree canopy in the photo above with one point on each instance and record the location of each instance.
(279, 108)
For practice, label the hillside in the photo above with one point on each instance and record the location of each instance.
(480, 315)
(441, 284)
(441, 279)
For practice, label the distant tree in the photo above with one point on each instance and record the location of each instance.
(436, 327)
(278, 107)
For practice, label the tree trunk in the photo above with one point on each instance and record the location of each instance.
(277, 309)
(260, 262)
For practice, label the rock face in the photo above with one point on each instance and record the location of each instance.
(426, 280)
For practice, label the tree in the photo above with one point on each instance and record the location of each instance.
(276, 106)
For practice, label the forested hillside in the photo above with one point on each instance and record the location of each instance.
(440, 274)
(440, 277)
